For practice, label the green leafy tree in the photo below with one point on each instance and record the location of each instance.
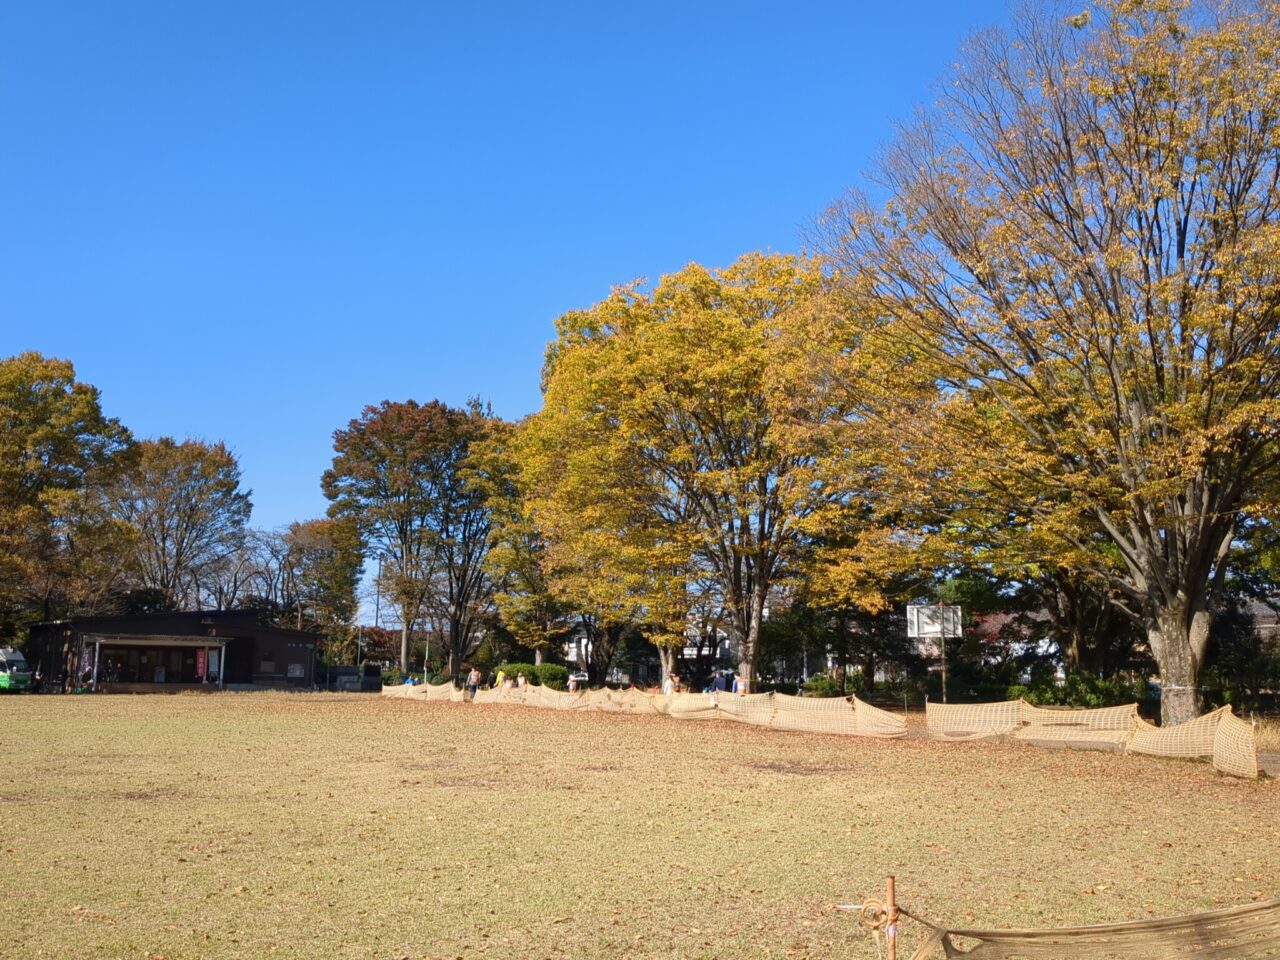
(401, 473)
(325, 560)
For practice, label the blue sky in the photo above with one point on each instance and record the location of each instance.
(246, 221)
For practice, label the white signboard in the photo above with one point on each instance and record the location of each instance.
(933, 621)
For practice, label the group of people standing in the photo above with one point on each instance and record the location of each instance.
(500, 682)
(718, 684)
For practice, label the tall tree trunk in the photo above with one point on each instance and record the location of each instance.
(604, 644)
(1178, 638)
(457, 646)
(404, 645)
(669, 657)
(749, 654)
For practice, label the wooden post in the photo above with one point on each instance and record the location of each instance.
(891, 930)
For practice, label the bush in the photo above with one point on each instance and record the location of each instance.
(1080, 690)
(821, 686)
(553, 676)
(514, 670)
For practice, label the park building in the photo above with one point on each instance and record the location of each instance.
(168, 652)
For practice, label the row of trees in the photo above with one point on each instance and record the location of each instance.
(1048, 361)
(1050, 355)
(93, 521)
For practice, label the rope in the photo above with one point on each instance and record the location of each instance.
(1231, 933)
(873, 915)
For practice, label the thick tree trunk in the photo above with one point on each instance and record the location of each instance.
(604, 644)
(404, 645)
(457, 646)
(749, 653)
(537, 656)
(669, 657)
(1178, 642)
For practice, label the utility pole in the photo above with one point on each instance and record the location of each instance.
(377, 594)
(942, 644)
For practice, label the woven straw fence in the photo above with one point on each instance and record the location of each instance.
(1219, 736)
(774, 710)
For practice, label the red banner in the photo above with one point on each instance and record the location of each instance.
(201, 662)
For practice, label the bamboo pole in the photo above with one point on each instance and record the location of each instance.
(891, 930)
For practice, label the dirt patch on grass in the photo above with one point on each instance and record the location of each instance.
(793, 768)
(152, 795)
(1269, 762)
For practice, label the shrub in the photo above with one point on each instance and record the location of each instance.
(551, 675)
(1080, 690)
(821, 686)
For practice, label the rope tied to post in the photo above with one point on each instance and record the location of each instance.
(880, 917)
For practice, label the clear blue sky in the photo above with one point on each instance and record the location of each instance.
(247, 220)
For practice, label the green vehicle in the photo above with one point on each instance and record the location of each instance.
(14, 672)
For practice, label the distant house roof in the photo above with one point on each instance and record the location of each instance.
(1265, 618)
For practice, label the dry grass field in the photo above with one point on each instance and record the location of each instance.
(327, 826)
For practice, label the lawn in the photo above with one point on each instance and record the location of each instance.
(324, 826)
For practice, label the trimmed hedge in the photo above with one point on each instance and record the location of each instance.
(821, 686)
(553, 676)
(550, 675)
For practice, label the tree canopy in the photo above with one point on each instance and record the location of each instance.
(1073, 292)
(184, 502)
(401, 472)
(57, 453)
(680, 438)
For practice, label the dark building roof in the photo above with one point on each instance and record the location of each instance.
(192, 623)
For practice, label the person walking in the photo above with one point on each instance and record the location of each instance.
(473, 683)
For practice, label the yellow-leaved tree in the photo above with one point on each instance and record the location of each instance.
(1074, 294)
(681, 442)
